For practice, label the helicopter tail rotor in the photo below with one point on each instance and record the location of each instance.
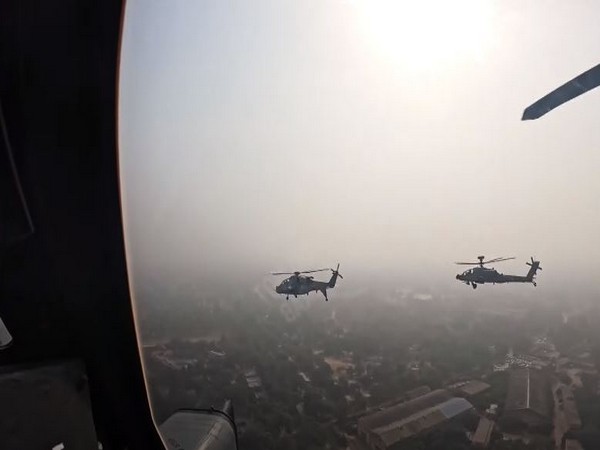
(534, 267)
(337, 270)
(334, 276)
(530, 264)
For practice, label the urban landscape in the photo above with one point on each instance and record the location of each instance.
(405, 371)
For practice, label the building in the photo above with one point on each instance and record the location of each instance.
(386, 428)
(567, 405)
(528, 402)
(417, 392)
(252, 379)
(400, 410)
(167, 358)
(470, 388)
(422, 421)
(492, 410)
(566, 416)
(545, 350)
(481, 437)
(305, 377)
(572, 444)
(216, 354)
(408, 395)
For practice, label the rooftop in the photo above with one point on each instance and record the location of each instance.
(528, 390)
(421, 420)
(402, 410)
(417, 392)
(482, 435)
(568, 407)
(253, 382)
(472, 387)
(572, 444)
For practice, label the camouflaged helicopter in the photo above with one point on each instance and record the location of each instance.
(481, 274)
(299, 284)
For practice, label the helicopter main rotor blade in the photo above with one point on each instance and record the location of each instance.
(298, 272)
(498, 260)
(316, 270)
(588, 80)
(502, 258)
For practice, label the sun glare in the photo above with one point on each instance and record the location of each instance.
(420, 34)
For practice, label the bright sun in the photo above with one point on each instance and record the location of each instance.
(420, 34)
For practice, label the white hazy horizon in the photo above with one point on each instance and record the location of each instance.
(279, 135)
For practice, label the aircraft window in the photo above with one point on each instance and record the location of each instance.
(273, 137)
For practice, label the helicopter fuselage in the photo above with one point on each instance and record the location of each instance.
(302, 285)
(482, 275)
(299, 285)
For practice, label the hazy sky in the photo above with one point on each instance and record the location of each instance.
(281, 134)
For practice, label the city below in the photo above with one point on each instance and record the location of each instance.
(397, 372)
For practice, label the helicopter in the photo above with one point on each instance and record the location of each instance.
(299, 284)
(482, 275)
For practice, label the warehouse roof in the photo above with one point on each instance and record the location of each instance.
(421, 420)
(403, 410)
